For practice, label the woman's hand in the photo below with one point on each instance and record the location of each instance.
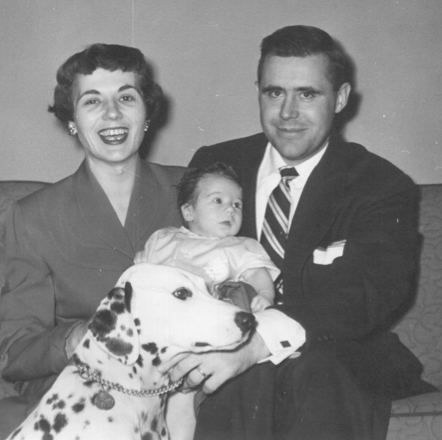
(215, 368)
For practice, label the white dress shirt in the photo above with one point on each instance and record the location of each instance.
(282, 335)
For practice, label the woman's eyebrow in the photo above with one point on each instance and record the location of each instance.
(97, 92)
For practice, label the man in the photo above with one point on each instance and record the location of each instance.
(348, 264)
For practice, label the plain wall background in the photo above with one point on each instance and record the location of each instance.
(204, 54)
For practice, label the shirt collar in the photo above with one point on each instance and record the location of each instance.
(272, 162)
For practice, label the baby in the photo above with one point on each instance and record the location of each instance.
(210, 200)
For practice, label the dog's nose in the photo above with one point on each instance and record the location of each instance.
(245, 321)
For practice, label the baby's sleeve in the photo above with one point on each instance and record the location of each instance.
(145, 256)
(254, 256)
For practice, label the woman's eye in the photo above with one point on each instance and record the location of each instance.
(127, 98)
(91, 102)
(182, 293)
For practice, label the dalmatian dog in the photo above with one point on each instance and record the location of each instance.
(112, 388)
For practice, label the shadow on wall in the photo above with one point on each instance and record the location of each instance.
(157, 123)
(351, 110)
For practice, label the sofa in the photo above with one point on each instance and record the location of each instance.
(415, 418)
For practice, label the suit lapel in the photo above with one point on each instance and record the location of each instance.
(143, 205)
(98, 213)
(320, 202)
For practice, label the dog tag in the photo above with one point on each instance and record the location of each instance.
(103, 400)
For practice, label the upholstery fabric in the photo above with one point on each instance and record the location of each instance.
(416, 418)
(420, 417)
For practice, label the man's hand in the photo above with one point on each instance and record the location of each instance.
(217, 367)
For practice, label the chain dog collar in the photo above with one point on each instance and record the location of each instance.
(104, 400)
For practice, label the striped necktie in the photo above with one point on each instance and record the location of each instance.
(276, 225)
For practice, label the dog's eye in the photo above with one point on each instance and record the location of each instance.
(182, 293)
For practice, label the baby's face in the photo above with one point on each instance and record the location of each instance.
(217, 210)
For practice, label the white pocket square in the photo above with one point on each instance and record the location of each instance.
(327, 256)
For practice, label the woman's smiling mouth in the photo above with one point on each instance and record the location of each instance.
(114, 135)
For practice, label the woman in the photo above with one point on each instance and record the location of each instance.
(67, 244)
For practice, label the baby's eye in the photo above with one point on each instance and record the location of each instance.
(238, 205)
(217, 200)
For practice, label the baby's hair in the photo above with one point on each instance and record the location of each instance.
(190, 179)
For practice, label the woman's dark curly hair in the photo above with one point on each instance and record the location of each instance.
(189, 181)
(109, 57)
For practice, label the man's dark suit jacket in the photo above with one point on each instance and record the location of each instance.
(356, 196)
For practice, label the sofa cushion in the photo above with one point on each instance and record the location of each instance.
(421, 329)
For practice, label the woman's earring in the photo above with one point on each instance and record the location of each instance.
(146, 127)
(72, 129)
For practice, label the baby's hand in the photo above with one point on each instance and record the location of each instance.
(260, 303)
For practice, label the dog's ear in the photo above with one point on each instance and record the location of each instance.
(113, 327)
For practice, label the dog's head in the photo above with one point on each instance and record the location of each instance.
(164, 311)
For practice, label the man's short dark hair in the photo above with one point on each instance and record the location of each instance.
(189, 181)
(303, 41)
(109, 57)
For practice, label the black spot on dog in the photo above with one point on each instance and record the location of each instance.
(113, 292)
(79, 406)
(163, 350)
(151, 347)
(60, 422)
(110, 419)
(147, 436)
(131, 375)
(130, 333)
(88, 383)
(128, 295)
(52, 399)
(103, 323)
(144, 416)
(154, 424)
(134, 369)
(59, 405)
(16, 432)
(137, 322)
(87, 343)
(140, 361)
(119, 347)
(156, 361)
(118, 307)
(163, 432)
(163, 401)
(42, 425)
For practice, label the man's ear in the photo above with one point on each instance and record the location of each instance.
(187, 211)
(342, 97)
